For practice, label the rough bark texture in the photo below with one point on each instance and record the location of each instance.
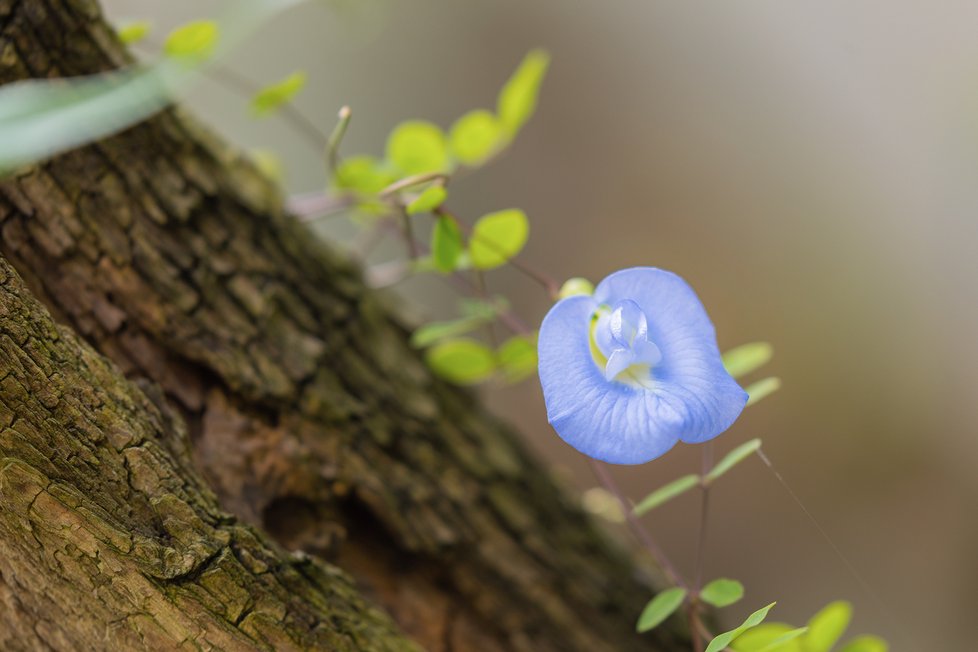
(109, 539)
(308, 414)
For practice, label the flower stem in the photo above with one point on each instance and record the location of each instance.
(408, 226)
(643, 535)
(551, 286)
(694, 605)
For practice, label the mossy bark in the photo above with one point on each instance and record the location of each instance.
(308, 414)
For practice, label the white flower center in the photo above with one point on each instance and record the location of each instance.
(620, 344)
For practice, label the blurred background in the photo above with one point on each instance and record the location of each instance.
(809, 168)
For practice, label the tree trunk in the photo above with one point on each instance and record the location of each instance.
(308, 415)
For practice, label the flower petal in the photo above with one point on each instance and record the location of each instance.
(618, 361)
(690, 378)
(605, 420)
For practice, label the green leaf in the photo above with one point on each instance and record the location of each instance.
(417, 147)
(771, 637)
(429, 200)
(746, 358)
(518, 97)
(40, 117)
(722, 592)
(753, 620)
(483, 308)
(866, 644)
(762, 389)
(786, 642)
(660, 607)
(363, 174)
(497, 237)
(475, 136)
(446, 244)
(666, 493)
(275, 95)
(440, 330)
(573, 287)
(463, 361)
(733, 458)
(601, 502)
(133, 32)
(517, 358)
(194, 40)
(827, 626)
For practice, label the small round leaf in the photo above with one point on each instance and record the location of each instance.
(764, 635)
(429, 200)
(517, 358)
(475, 136)
(275, 95)
(762, 389)
(866, 644)
(497, 237)
(746, 358)
(722, 592)
(133, 32)
(462, 361)
(446, 244)
(660, 607)
(518, 97)
(194, 40)
(417, 147)
(827, 626)
(364, 174)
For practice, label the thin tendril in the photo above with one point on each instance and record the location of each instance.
(863, 584)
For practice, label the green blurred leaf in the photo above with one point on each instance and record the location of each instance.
(866, 644)
(475, 136)
(517, 358)
(666, 493)
(733, 458)
(417, 147)
(746, 358)
(432, 197)
(768, 634)
(601, 502)
(762, 389)
(785, 642)
(574, 287)
(722, 592)
(497, 237)
(41, 117)
(518, 97)
(827, 626)
(724, 639)
(194, 40)
(275, 95)
(462, 361)
(133, 32)
(446, 244)
(483, 308)
(440, 330)
(364, 174)
(660, 607)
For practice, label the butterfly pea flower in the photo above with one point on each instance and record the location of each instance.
(634, 368)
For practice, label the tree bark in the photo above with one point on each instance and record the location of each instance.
(308, 414)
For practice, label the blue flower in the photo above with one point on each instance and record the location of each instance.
(634, 368)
